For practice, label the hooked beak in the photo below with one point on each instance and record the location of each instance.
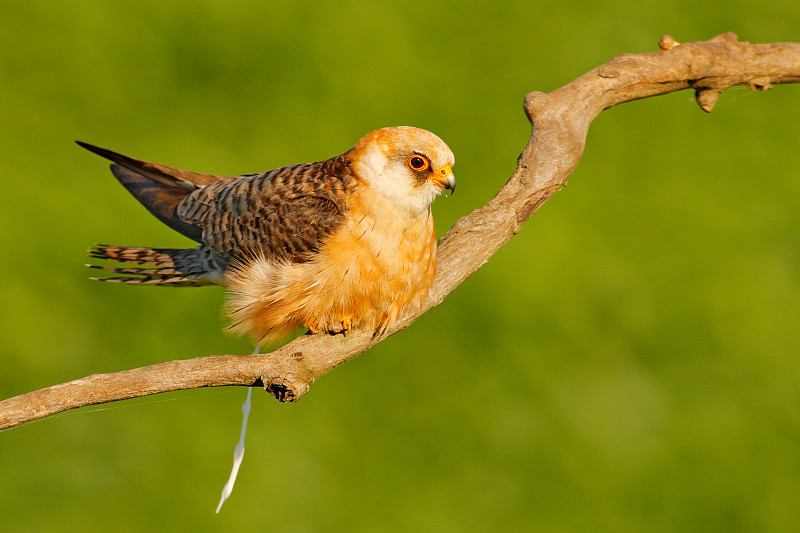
(445, 179)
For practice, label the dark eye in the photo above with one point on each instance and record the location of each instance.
(418, 163)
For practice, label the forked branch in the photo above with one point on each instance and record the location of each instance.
(560, 121)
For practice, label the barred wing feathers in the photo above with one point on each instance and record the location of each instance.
(282, 214)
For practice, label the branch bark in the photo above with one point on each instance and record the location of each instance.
(560, 121)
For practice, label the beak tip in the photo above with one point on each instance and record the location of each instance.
(445, 179)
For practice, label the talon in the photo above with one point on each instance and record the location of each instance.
(347, 325)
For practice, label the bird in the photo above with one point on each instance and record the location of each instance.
(343, 244)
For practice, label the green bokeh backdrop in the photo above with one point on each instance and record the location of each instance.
(629, 362)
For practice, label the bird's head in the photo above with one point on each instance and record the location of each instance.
(409, 166)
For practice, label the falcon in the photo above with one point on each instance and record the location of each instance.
(345, 243)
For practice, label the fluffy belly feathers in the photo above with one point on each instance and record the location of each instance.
(365, 275)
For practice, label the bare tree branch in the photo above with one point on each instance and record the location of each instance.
(560, 121)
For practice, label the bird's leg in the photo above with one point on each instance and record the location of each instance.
(344, 327)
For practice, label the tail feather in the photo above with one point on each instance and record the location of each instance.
(155, 272)
(176, 267)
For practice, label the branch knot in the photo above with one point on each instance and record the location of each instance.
(286, 390)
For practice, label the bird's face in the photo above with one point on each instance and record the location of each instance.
(409, 166)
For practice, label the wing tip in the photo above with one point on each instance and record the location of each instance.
(92, 148)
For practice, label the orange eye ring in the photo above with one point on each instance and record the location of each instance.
(418, 163)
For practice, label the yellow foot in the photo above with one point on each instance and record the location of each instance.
(344, 327)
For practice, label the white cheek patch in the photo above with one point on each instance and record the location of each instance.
(396, 182)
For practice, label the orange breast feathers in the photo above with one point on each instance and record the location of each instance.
(378, 264)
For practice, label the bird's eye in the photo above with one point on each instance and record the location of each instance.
(418, 163)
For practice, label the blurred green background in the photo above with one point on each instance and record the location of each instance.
(629, 362)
